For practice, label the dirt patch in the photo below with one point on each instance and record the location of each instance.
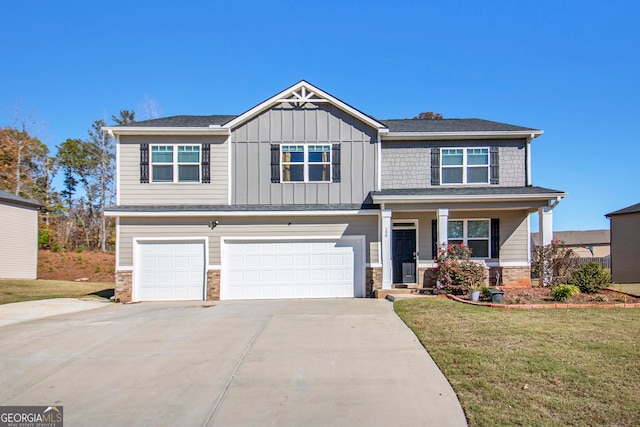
(95, 266)
(538, 295)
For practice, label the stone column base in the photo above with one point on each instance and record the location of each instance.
(123, 285)
(516, 276)
(374, 280)
(213, 285)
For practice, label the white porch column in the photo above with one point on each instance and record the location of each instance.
(385, 229)
(443, 227)
(545, 215)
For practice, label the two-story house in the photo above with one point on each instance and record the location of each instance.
(304, 196)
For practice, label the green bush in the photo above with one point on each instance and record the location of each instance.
(564, 292)
(590, 277)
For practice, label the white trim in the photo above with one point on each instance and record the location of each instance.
(305, 162)
(413, 227)
(285, 95)
(379, 174)
(529, 237)
(238, 213)
(387, 256)
(422, 136)
(427, 264)
(117, 168)
(124, 268)
(465, 234)
(360, 289)
(135, 130)
(214, 267)
(506, 263)
(118, 240)
(373, 265)
(417, 198)
(175, 164)
(465, 166)
(229, 168)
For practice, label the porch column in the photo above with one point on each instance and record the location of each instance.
(385, 229)
(545, 215)
(443, 227)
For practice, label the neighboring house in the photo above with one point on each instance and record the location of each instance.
(585, 243)
(625, 244)
(19, 237)
(304, 196)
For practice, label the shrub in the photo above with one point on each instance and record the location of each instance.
(456, 272)
(590, 277)
(553, 263)
(564, 292)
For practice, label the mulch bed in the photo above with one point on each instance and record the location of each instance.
(539, 295)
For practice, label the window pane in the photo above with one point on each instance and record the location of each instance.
(162, 154)
(292, 173)
(189, 154)
(318, 172)
(188, 173)
(455, 242)
(161, 173)
(478, 156)
(452, 175)
(478, 229)
(455, 230)
(479, 248)
(293, 153)
(477, 175)
(319, 154)
(452, 157)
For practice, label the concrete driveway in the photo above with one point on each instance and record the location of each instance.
(338, 362)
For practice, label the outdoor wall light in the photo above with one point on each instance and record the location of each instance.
(213, 223)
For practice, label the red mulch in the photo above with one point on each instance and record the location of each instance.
(96, 266)
(539, 295)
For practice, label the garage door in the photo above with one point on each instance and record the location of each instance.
(169, 271)
(292, 269)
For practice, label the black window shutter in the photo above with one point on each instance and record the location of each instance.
(434, 238)
(275, 163)
(495, 238)
(206, 163)
(435, 166)
(494, 161)
(335, 163)
(144, 163)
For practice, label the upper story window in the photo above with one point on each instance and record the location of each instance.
(175, 163)
(473, 233)
(306, 163)
(465, 166)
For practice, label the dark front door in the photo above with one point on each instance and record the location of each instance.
(404, 256)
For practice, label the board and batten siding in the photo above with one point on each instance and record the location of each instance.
(309, 124)
(132, 192)
(407, 164)
(246, 227)
(19, 237)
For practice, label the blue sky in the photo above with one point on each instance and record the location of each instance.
(568, 67)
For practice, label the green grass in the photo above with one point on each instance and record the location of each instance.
(633, 288)
(573, 367)
(29, 290)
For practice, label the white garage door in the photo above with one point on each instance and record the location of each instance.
(292, 269)
(169, 271)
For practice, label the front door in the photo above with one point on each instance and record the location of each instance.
(404, 256)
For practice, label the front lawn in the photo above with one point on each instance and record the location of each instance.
(28, 290)
(633, 288)
(574, 367)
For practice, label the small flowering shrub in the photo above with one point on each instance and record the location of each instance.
(456, 273)
(563, 292)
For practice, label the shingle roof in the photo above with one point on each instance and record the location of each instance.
(183, 121)
(451, 125)
(578, 237)
(8, 197)
(630, 209)
(467, 191)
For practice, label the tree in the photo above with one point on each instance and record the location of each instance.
(428, 115)
(126, 116)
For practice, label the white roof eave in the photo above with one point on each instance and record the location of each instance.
(421, 136)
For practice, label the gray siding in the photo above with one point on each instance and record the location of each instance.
(330, 226)
(625, 248)
(407, 164)
(132, 192)
(19, 237)
(323, 123)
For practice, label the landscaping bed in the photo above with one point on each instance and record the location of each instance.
(540, 295)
